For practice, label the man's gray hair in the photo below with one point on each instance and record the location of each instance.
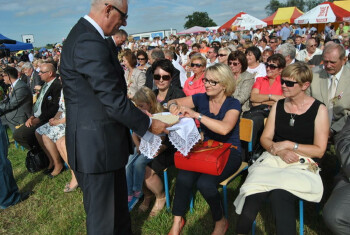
(287, 49)
(334, 46)
(96, 2)
(27, 65)
(169, 53)
(157, 54)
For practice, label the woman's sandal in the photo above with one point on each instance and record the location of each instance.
(158, 206)
(68, 189)
(145, 203)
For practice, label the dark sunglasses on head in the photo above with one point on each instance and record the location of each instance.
(288, 83)
(164, 77)
(234, 63)
(141, 58)
(196, 65)
(211, 82)
(271, 66)
(222, 55)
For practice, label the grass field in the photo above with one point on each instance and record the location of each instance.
(51, 211)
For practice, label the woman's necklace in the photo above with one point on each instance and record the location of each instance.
(292, 116)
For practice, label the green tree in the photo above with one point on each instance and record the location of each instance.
(295, 3)
(272, 7)
(199, 19)
(313, 3)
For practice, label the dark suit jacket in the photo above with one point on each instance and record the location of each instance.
(99, 116)
(17, 107)
(302, 47)
(174, 82)
(49, 105)
(113, 47)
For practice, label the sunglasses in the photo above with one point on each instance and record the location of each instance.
(315, 45)
(211, 82)
(141, 58)
(196, 65)
(234, 63)
(271, 66)
(222, 55)
(288, 83)
(164, 77)
(123, 15)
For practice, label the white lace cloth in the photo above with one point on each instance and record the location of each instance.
(183, 135)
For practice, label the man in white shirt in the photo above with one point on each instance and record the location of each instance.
(311, 49)
(169, 55)
(212, 55)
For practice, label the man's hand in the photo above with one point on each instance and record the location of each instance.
(158, 127)
(29, 122)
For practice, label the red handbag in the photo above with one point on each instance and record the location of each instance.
(209, 157)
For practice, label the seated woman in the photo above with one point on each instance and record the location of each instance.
(223, 54)
(194, 84)
(163, 71)
(254, 66)
(265, 92)
(145, 100)
(244, 80)
(297, 126)
(142, 59)
(218, 114)
(134, 77)
(51, 137)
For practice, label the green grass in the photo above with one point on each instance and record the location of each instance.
(51, 211)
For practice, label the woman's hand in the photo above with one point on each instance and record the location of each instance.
(283, 145)
(54, 122)
(187, 112)
(288, 156)
(174, 109)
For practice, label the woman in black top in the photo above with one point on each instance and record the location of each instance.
(297, 126)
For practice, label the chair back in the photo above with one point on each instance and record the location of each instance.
(246, 129)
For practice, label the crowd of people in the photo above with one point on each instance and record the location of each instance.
(295, 77)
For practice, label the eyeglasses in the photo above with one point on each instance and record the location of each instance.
(271, 66)
(222, 55)
(272, 42)
(164, 77)
(234, 63)
(314, 45)
(211, 82)
(141, 58)
(124, 15)
(288, 83)
(196, 65)
(42, 72)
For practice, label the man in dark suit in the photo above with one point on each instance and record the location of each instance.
(44, 108)
(33, 79)
(298, 45)
(157, 54)
(16, 108)
(117, 40)
(99, 117)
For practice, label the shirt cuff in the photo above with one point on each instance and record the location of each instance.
(148, 135)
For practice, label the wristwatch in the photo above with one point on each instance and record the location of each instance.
(296, 145)
(199, 118)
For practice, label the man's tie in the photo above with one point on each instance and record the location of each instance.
(331, 94)
(40, 99)
(10, 91)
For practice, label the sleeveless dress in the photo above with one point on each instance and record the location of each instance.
(58, 131)
(302, 132)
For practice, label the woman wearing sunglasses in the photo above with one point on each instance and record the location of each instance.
(265, 92)
(244, 80)
(254, 66)
(142, 59)
(223, 55)
(163, 71)
(296, 132)
(194, 84)
(134, 77)
(218, 114)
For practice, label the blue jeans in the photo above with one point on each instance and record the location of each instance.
(135, 172)
(9, 194)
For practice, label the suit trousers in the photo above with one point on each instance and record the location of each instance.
(336, 211)
(283, 208)
(105, 202)
(9, 194)
(25, 136)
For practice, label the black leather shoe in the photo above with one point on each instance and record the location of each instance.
(25, 195)
(53, 176)
(48, 171)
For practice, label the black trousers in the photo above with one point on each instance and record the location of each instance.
(25, 136)
(105, 202)
(206, 184)
(283, 208)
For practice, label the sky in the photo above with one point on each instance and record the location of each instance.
(51, 20)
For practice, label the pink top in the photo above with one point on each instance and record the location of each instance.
(263, 84)
(191, 88)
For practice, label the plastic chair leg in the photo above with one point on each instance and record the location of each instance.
(224, 191)
(191, 204)
(16, 144)
(301, 217)
(166, 188)
(253, 227)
